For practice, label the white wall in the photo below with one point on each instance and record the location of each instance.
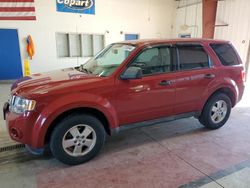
(149, 18)
(236, 14)
(188, 12)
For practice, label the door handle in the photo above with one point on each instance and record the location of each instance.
(209, 76)
(165, 83)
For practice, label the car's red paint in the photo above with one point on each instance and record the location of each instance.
(120, 101)
(144, 98)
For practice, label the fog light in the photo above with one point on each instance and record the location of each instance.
(15, 133)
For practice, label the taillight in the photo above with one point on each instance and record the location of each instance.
(243, 75)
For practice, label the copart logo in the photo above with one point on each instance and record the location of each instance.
(77, 4)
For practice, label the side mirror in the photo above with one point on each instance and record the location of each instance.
(132, 73)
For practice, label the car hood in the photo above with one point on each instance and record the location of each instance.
(59, 80)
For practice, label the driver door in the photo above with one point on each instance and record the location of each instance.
(151, 97)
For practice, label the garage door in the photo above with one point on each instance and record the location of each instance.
(10, 61)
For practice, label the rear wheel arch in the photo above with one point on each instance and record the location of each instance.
(82, 110)
(225, 90)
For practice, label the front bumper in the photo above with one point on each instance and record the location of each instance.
(19, 126)
(12, 120)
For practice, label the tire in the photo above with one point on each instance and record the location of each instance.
(77, 139)
(216, 111)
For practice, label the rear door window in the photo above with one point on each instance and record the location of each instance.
(192, 57)
(226, 54)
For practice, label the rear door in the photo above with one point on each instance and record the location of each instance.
(195, 73)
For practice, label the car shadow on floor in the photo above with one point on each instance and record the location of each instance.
(123, 141)
(183, 130)
(153, 133)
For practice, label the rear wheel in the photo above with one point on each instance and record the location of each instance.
(216, 111)
(77, 139)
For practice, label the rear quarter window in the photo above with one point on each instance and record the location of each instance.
(226, 54)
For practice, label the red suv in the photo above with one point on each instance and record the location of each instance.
(126, 85)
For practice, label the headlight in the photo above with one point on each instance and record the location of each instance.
(20, 105)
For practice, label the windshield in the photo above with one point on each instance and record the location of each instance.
(108, 60)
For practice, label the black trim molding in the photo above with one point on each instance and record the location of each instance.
(153, 122)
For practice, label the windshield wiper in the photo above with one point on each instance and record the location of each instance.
(81, 69)
(85, 70)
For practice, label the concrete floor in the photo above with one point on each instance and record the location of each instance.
(4, 96)
(175, 154)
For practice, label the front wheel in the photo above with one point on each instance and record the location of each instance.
(77, 139)
(216, 111)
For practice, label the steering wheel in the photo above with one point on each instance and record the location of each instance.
(140, 64)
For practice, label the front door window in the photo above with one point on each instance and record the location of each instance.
(154, 61)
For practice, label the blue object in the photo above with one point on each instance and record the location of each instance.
(131, 36)
(76, 6)
(35, 151)
(10, 60)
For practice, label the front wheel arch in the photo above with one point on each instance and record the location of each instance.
(84, 110)
(80, 145)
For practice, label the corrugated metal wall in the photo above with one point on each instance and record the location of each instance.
(184, 3)
(235, 13)
(189, 12)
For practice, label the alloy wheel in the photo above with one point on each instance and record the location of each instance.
(219, 111)
(79, 140)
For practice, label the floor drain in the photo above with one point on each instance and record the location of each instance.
(13, 147)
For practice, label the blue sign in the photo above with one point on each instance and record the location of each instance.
(76, 6)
